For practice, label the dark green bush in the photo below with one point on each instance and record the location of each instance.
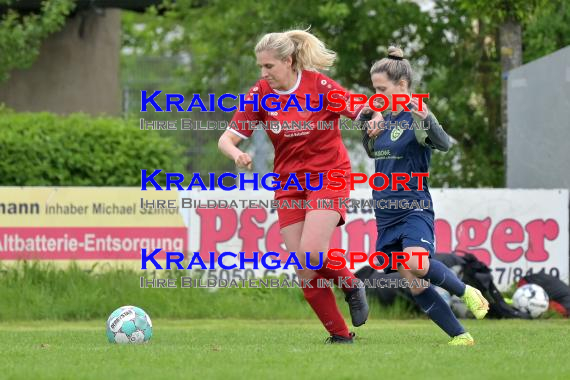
(42, 149)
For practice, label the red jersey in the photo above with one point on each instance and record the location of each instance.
(306, 150)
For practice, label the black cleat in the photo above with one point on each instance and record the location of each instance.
(358, 304)
(338, 339)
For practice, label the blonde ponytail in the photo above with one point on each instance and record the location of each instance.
(308, 52)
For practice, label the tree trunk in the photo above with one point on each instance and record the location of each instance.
(510, 41)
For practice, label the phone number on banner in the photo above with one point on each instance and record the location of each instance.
(510, 275)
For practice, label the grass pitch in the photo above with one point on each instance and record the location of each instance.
(278, 349)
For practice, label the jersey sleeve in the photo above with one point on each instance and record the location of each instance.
(434, 136)
(244, 122)
(326, 85)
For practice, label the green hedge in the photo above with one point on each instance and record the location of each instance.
(42, 149)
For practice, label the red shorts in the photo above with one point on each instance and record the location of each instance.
(292, 209)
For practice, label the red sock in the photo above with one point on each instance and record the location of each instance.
(343, 278)
(323, 302)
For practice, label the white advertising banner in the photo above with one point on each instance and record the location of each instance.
(514, 232)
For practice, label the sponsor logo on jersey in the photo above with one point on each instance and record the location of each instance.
(396, 133)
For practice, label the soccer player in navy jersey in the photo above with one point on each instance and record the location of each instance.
(399, 148)
(289, 64)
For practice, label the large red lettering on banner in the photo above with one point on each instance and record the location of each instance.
(509, 240)
(472, 233)
(443, 236)
(539, 230)
(274, 240)
(217, 225)
(358, 232)
(249, 231)
(507, 231)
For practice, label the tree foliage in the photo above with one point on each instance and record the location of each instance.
(22, 35)
(453, 47)
(547, 30)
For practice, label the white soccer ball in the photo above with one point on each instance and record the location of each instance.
(129, 324)
(532, 299)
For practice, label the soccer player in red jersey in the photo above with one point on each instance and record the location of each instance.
(289, 64)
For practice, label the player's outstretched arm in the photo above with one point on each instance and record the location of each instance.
(434, 134)
(430, 133)
(228, 143)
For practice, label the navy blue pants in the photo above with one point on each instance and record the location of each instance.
(412, 231)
